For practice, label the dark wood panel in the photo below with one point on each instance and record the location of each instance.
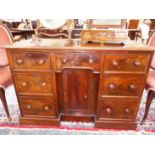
(80, 89)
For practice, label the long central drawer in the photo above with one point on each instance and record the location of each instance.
(82, 60)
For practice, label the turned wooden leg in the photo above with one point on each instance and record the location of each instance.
(4, 102)
(151, 95)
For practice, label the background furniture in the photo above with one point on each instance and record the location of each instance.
(152, 26)
(5, 74)
(150, 85)
(133, 29)
(106, 23)
(55, 81)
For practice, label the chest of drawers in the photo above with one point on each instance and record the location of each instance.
(79, 83)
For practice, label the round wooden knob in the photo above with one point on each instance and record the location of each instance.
(24, 84)
(91, 60)
(28, 106)
(132, 87)
(46, 108)
(108, 110)
(103, 34)
(85, 96)
(29, 55)
(64, 61)
(20, 61)
(43, 84)
(41, 61)
(112, 86)
(137, 63)
(127, 110)
(115, 63)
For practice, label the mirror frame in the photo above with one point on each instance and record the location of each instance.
(92, 25)
(50, 28)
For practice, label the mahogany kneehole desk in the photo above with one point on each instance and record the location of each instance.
(90, 82)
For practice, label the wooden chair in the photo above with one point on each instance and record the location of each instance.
(132, 26)
(5, 75)
(150, 85)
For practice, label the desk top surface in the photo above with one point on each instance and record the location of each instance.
(63, 44)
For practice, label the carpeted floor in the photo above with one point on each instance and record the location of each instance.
(69, 128)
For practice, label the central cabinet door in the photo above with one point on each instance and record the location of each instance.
(80, 91)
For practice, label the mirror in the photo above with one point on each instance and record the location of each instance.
(54, 28)
(53, 24)
(51, 28)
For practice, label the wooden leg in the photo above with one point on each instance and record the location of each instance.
(151, 95)
(4, 102)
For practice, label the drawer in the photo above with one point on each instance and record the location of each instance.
(38, 106)
(31, 60)
(122, 85)
(33, 83)
(117, 109)
(71, 60)
(126, 63)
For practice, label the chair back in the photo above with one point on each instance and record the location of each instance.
(151, 43)
(5, 39)
(133, 24)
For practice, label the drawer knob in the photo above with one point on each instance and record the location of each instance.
(85, 96)
(43, 84)
(108, 110)
(137, 63)
(115, 63)
(112, 86)
(91, 61)
(127, 110)
(132, 87)
(20, 61)
(46, 108)
(28, 106)
(64, 61)
(24, 84)
(41, 61)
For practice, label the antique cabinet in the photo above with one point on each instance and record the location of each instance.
(57, 82)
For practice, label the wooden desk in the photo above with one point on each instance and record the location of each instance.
(55, 82)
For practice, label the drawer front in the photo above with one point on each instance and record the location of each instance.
(117, 109)
(71, 60)
(126, 63)
(122, 85)
(38, 106)
(31, 60)
(33, 83)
